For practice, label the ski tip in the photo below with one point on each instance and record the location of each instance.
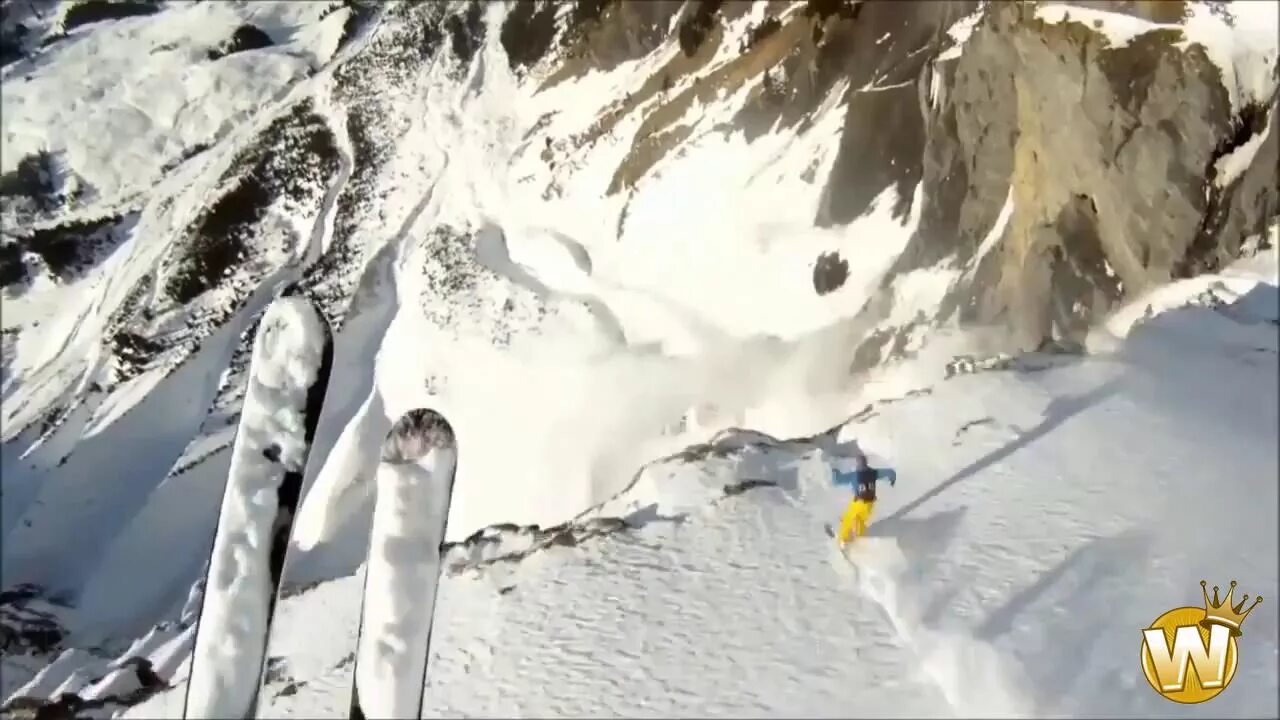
(415, 434)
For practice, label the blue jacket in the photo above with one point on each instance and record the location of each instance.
(863, 482)
(851, 478)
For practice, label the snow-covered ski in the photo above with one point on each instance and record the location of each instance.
(288, 375)
(402, 574)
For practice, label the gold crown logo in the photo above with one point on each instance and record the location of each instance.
(1222, 613)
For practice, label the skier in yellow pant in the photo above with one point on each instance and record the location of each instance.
(855, 473)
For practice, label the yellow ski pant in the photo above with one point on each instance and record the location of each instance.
(855, 519)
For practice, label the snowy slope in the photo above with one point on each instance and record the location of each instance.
(121, 138)
(1044, 515)
(459, 220)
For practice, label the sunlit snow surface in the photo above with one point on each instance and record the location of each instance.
(1040, 521)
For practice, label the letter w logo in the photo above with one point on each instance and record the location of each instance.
(1171, 664)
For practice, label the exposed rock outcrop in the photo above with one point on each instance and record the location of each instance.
(1108, 156)
(132, 681)
(27, 623)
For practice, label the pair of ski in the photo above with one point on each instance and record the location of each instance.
(288, 376)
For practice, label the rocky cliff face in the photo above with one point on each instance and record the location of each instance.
(1112, 158)
(1112, 152)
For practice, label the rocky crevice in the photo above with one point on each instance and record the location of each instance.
(528, 32)
(1232, 207)
(603, 34)
(882, 49)
(94, 11)
(466, 31)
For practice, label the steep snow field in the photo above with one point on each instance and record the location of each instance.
(1043, 517)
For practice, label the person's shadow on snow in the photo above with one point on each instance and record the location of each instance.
(1081, 609)
(1058, 411)
(921, 540)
